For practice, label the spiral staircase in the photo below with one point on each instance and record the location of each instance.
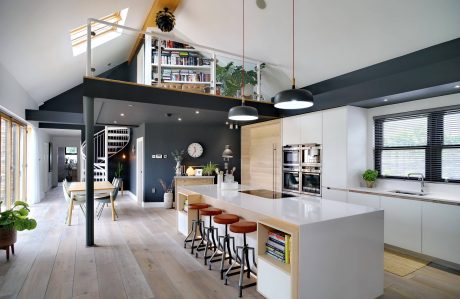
(107, 143)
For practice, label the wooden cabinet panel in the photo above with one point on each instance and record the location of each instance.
(441, 231)
(368, 200)
(403, 222)
(291, 130)
(311, 128)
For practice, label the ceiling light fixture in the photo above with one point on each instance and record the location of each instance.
(197, 112)
(122, 114)
(457, 86)
(293, 98)
(385, 100)
(243, 112)
(165, 20)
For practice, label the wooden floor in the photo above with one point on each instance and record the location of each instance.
(141, 256)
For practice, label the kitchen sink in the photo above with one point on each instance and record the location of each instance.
(408, 192)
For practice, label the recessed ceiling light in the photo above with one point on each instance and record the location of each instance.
(179, 119)
(114, 121)
(130, 105)
(457, 86)
(122, 114)
(197, 112)
(385, 100)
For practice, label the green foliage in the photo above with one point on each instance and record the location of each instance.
(178, 155)
(17, 217)
(209, 168)
(370, 175)
(119, 170)
(231, 77)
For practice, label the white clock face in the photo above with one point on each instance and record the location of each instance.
(195, 150)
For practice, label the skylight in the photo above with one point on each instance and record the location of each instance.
(101, 33)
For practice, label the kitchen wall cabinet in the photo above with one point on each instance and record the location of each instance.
(291, 130)
(344, 146)
(333, 194)
(403, 222)
(441, 231)
(261, 153)
(368, 200)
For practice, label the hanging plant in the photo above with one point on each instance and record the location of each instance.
(165, 20)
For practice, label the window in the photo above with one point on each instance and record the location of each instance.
(100, 33)
(426, 142)
(13, 149)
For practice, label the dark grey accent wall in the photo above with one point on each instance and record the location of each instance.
(163, 139)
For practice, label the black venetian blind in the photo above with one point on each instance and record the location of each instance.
(425, 142)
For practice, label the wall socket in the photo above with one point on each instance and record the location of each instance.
(154, 190)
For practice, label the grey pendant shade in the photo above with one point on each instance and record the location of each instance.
(293, 98)
(243, 113)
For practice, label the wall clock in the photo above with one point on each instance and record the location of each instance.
(195, 150)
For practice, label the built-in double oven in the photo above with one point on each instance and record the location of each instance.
(302, 169)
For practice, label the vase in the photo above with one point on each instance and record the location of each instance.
(7, 236)
(178, 170)
(168, 200)
(370, 184)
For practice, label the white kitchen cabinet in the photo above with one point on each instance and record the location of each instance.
(291, 130)
(332, 194)
(311, 128)
(403, 222)
(441, 231)
(368, 200)
(273, 282)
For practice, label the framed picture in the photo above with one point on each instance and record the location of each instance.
(198, 172)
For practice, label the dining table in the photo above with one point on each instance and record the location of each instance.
(76, 188)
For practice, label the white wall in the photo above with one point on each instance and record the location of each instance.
(13, 101)
(447, 100)
(63, 141)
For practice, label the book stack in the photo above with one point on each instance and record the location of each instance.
(278, 246)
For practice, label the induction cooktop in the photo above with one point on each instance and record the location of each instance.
(267, 193)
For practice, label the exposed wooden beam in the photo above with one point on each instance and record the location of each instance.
(150, 21)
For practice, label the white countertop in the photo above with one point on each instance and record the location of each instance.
(297, 210)
(447, 198)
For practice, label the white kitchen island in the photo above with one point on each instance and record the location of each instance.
(336, 247)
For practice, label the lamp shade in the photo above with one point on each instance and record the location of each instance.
(293, 99)
(243, 113)
(228, 153)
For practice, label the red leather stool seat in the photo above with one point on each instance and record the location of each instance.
(210, 211)
(226, 218)
(198, 206)
(243, 227)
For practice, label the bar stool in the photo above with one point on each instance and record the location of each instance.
(211, 243)
(196, 224)
(243, 227)
(225, 219)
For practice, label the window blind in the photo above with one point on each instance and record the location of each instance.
(426, 142)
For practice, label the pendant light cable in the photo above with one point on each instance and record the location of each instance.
(293, 45)
(242, 70)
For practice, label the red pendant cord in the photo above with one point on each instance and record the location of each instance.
(242, 70)
(293, 45)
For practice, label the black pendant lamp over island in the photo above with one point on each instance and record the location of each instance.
(243, 112)
(293, 98)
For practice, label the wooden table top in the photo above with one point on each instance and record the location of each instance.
(98, 186)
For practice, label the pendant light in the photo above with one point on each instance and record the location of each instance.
(243, 112)
(293, 98)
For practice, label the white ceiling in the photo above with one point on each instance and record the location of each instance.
(61, 132)
(333, 37)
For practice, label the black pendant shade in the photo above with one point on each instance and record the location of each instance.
(293, 99)
(243, 113)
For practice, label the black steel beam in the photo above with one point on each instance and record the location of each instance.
(44, 125)
(88, 111)
(126, 91)
(54, 117)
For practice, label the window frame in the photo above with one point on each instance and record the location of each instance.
(433, 148)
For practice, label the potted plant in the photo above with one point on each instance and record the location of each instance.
(168, 194)
(69, 168)
(13, 220)
(231, 75)
(178, 155)
(370, 176)
(119, 170)
(209, 168)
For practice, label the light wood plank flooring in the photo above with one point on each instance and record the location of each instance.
(141, 256)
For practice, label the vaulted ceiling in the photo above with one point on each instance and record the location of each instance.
(333, 37)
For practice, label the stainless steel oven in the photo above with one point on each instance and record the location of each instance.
(311, 182)
(291, 155)
(291, 179)
(310, 155)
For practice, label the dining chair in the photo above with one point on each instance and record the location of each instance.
(103, 201)
(79, 199)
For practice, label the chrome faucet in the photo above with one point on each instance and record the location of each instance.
(421, 179)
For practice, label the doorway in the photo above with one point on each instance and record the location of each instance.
(140, 169)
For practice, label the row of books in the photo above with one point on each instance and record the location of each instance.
(278, 246)
(176, 58)
(171, 44)
(185, 75)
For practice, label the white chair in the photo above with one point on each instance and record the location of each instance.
(103, 201)
(79, 199)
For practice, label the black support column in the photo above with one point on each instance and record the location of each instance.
(88, 111)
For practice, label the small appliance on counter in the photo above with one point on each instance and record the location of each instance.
(302, 169)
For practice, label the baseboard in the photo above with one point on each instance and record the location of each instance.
(130, 194)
